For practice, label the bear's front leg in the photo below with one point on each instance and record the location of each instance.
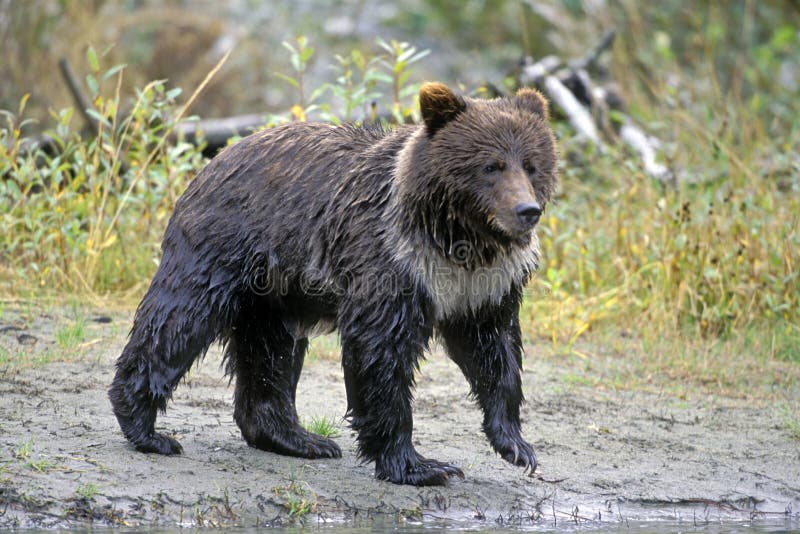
(487, 346)
(381, 347)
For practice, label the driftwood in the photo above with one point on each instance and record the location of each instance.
(568, 84)
(631, 134)
(579, 116)
(586, 105)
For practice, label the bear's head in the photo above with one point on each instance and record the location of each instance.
(488, 167)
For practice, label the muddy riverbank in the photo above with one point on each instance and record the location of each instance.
(605, 455)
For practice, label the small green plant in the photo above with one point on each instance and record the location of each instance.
(356, 85)
(790, 416)
(68, 337)
(401, 56)
(42, 465)
(33, 358)
(87, 490)
(299, 55)
(297, 497)
(24, 449)
(322, 426)
(573, 379)
(14, 360)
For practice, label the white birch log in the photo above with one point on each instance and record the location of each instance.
(578, 115)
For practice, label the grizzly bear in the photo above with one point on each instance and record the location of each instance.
(388, 236)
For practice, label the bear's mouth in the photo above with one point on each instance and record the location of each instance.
(506, 235)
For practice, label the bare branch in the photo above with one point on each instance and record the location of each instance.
(81, 101)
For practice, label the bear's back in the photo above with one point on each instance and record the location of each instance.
(310, 195)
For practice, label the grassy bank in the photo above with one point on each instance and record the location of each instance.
(696, 282)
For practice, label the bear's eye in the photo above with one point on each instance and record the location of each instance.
(494, 167)
(529, 167)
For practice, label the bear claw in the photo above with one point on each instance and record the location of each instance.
(320, 447)
(518, 452)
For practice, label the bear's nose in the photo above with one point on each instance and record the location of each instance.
(528, 213)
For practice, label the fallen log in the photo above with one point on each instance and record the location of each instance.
(634, 137)
(578, 115)
(216, 132)
(586, 105)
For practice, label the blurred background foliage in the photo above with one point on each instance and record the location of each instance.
(745, 44)
(703, 275)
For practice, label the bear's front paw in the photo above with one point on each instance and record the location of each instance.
(319, 447)
(515, 450)
(158, 443)
(418, 472)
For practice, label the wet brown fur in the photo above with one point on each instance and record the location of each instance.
(307, 227)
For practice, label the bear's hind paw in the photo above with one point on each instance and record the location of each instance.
(158, 443)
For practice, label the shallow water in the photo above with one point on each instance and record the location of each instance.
(639, 527)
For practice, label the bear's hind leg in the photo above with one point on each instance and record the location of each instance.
(267, 361)
(162, 347)
(136, 409)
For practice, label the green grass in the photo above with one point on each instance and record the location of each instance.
(42, 465)
(679, 364)
(324, 347)
(573, 379)
(323, 426)
(24, 449)
(24, 453)
(26, 358)
(70, 336)
(87, 490)
(789, 415)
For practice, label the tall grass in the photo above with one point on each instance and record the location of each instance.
(703, 276)
(89, 218)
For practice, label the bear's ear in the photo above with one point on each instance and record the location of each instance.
(533, 101)
(439, 105)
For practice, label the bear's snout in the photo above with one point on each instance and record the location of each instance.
(528, 213)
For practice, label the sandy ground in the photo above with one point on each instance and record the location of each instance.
(605, 456)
